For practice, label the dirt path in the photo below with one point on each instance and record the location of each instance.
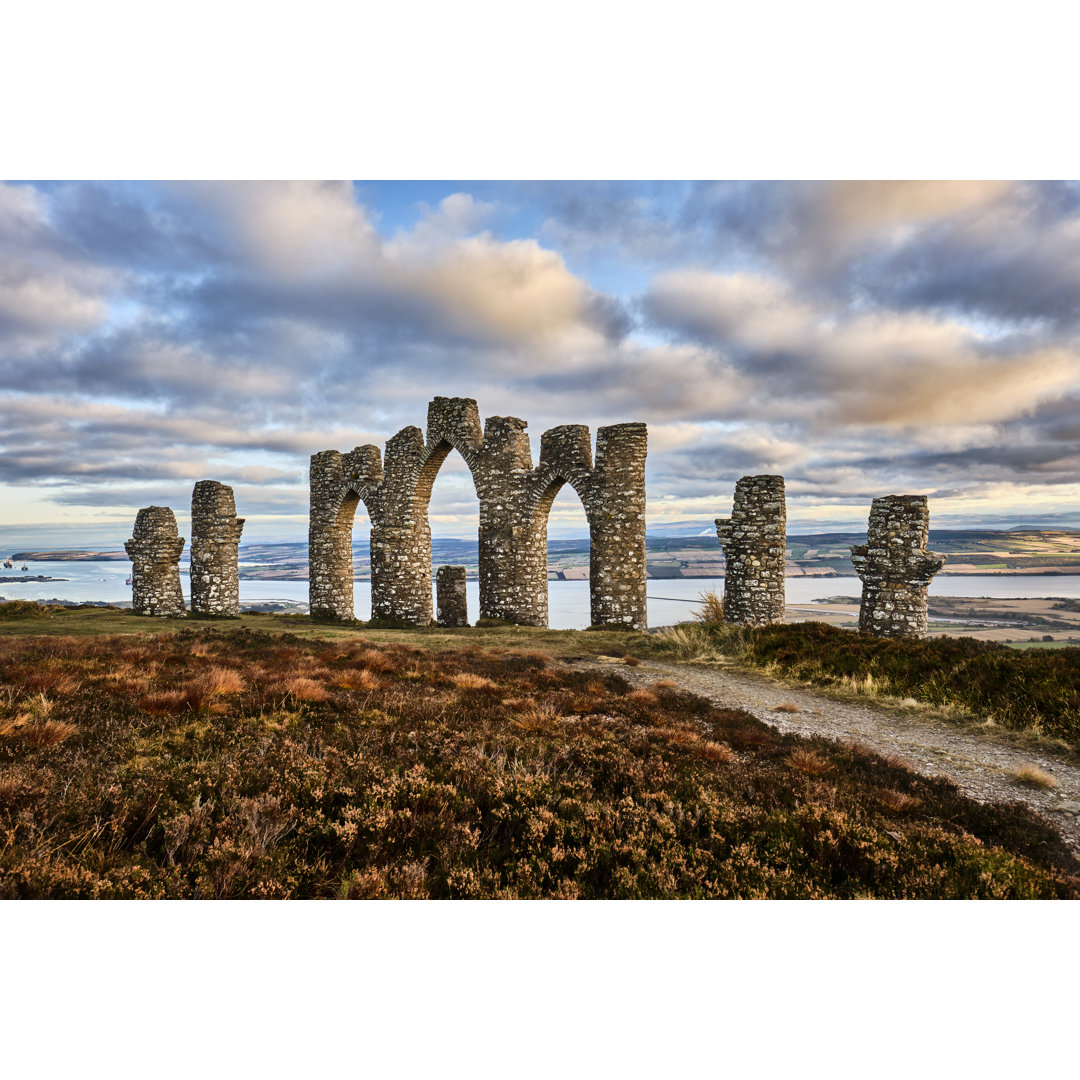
(981, 764)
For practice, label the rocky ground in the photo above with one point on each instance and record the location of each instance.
(983, 762)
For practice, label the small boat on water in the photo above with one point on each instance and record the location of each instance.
(127, 580)
(8, 564)
(24, 568)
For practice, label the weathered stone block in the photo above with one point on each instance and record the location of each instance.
(451, 604)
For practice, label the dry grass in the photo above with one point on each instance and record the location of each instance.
(786, 707)
(1033, 776)
(665, 684)
(358, 679)
(711, 612)
(305, 689)
(466, 680)
(631, 661)
(542, 716)
(808, 761)
(223, 680)
(48, 732)
(897, 801)
(715, 751)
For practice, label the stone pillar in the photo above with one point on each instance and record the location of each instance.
(330, 563)
(450, 601)
(615, 507)
(215, 537)
(895, 567)
(154, 550)
(401, 535)
(753, 539)
(512, 549)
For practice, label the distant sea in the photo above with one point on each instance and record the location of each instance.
(568, 601)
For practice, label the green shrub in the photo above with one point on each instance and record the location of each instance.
(1036, 689)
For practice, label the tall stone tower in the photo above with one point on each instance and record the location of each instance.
(895, 567)
(154, 549)
(754, 539)
(215, 537)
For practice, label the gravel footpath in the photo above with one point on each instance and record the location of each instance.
(982, 765)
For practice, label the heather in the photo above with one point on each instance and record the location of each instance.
(218, 764)
(1035, 690)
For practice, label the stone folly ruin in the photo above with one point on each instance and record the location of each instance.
(895, 567)
(515, 499)
(154, 549)
(451, 605)
(215, 538)
(754, 539)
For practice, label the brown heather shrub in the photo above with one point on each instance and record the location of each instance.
(665, 684)
(1033, 776)
(808, 761)
(786, 707)
(631, 661)
(418, 789)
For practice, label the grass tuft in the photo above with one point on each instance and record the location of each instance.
(1033, 776)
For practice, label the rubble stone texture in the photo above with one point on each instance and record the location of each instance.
(753, 539)
(215, 537)
(895, 567)
(515, 499)
(451, 605)
(154, 550)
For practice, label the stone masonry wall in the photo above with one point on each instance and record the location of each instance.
(215, 537)
(753, 539)
(154, 550)
(515, 499)
(451, 605)
(895, 567)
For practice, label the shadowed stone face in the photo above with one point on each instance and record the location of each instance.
(753, 539)
(515, 499)
(450, 601)
(154, 549)
(895, 567)
(215, 536)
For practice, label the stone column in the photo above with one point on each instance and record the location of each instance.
(215, 537)
(154, 550)
(512, 548)
(451, 604)
(753, 539)
(615, 508)
(895, 567)
(330, 561)
(401, 535)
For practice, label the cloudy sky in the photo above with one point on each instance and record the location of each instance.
(860, 338)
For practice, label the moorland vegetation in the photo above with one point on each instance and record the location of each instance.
(223, 763)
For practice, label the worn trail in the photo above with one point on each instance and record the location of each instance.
(983, 764)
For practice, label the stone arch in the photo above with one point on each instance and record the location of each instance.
(515, 500)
